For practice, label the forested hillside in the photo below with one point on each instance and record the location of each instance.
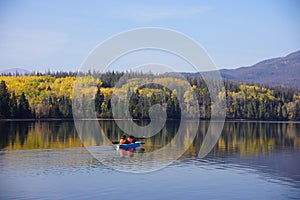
(50, 96)
(282, 71)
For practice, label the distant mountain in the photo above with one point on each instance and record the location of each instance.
(282, 71)
(15, 71)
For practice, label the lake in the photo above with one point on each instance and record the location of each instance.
(251, 160)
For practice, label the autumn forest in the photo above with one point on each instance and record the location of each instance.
(50, 95)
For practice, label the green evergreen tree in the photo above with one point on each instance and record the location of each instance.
(4, 101)
(99, 98)
(24, 109)
(170, 108)
(134, 100)
(13, 105)
(177, 110)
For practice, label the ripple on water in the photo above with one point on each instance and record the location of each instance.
(74, 174)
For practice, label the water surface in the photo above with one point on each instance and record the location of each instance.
(251, 160)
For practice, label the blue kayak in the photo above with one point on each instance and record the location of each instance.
(132, 145)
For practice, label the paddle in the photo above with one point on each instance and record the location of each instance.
(116, 142)
(139, 138)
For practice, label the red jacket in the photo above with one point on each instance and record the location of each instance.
(131, 140)
(123, 141)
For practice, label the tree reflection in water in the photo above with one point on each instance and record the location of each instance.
(242, 138)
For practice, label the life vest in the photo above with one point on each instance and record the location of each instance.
(123, 141)
(131, 140)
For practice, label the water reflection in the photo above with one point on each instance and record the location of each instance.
(38, 135)
(259, 159)
(243, 138)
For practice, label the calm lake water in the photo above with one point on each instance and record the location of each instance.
(251, 160)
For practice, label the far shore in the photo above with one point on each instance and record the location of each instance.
(110, 119)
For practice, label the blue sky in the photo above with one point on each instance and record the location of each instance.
(58, 35)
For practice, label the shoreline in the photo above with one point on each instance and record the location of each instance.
(110, 119)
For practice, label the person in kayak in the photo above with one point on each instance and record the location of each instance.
(124, 140)
(131, 139)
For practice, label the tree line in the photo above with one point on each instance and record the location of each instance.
(50, 96)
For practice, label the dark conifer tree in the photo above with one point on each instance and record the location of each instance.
(23, 108)
(4, 101)
(99, 98)
(13, 105)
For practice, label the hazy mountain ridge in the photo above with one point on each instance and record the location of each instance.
(15, 71)
(282, 71)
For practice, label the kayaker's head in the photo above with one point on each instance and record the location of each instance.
(124, 137)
